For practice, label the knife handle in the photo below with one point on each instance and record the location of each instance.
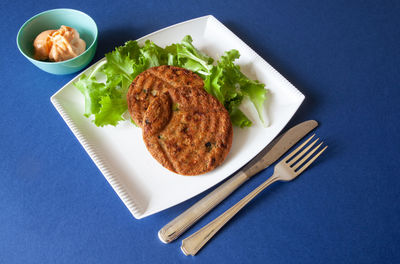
(181, 223)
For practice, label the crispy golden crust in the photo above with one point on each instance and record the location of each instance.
(155, 81)
(186, 129)
(197, 137)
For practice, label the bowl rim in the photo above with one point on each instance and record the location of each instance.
(48, 11)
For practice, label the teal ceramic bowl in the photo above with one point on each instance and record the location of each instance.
(54, 19)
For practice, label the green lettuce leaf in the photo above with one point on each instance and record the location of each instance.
(106, 101)
(110, 112)
(92, 91)
(229, 85)
(239, 119)
(192, 59)
(257, 94)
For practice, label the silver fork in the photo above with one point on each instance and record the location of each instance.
(286, 170)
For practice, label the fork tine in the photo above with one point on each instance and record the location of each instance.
(306, 157)
(297, 150)
(311, 161)
(301, 154)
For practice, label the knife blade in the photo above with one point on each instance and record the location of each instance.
(278, 147)
(265, 158)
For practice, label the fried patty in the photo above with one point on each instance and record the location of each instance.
(185, 128)
(155, 81)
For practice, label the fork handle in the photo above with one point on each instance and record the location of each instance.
(181, 223)
(192, 244)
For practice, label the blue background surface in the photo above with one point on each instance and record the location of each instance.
(56, 207)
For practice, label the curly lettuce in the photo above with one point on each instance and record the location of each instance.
(105, 101)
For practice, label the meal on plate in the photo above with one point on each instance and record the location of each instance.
(185, 104)
(105, 101)
(185, 128)
(58, 45)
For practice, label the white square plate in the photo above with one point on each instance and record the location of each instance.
(119, 152)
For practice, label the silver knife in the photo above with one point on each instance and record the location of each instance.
(265, 158)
